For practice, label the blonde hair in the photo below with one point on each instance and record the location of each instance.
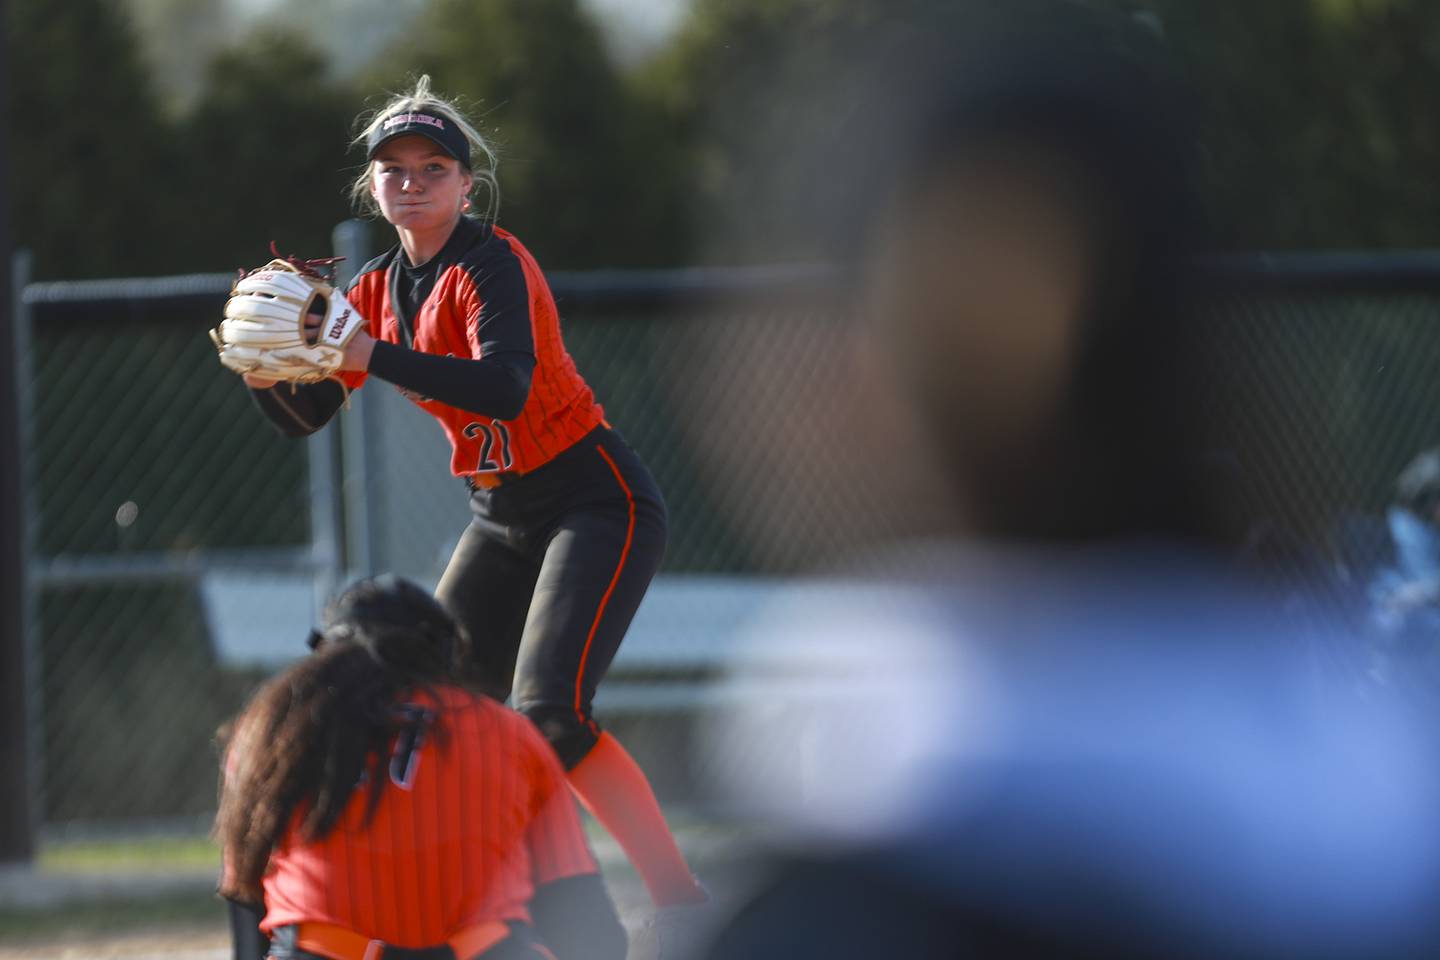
(482, 156)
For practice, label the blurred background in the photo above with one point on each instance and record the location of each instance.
(687, 172)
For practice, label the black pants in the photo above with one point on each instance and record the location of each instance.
(547, 577)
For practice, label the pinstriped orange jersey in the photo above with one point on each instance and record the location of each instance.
(475, 815)
(490, 297)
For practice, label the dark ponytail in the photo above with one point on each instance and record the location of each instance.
(310, 733)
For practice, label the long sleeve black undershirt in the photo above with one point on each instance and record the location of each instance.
(301, 410)
(495, 386)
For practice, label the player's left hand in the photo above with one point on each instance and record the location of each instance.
(285, 322)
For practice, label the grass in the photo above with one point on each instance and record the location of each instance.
(158, 855)
(102, 917)
(118, 910)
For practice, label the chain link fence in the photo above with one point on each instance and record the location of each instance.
(178, 545)
(146, 473)
(1323, 391)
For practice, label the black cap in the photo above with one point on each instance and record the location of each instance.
(397, 620)
(440, 129)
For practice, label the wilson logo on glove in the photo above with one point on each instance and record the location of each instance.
(340, 322)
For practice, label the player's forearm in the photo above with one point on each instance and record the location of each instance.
(246, 940)
(496, 386)
(576, 919)
(304, 410)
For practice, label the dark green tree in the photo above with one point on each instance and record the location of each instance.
(93, 171)
(1316, 120)
(586, 178)
(1319, 118)
(268, 145)
(178, 38)
(774, 100)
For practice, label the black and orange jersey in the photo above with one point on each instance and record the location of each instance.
(483, 297)
(475, 815)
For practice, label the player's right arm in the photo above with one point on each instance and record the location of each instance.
(246, 940)
(492, 304)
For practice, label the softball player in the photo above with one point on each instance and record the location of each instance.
(372, 806)
(568, 525)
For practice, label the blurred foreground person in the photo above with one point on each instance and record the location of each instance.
(373, 807)
(1065, 724)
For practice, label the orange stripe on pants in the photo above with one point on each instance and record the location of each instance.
(600, 613)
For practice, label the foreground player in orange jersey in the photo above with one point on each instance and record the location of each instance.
(569, 526)
(371, 804)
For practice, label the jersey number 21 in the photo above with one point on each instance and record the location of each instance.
(496, 442)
